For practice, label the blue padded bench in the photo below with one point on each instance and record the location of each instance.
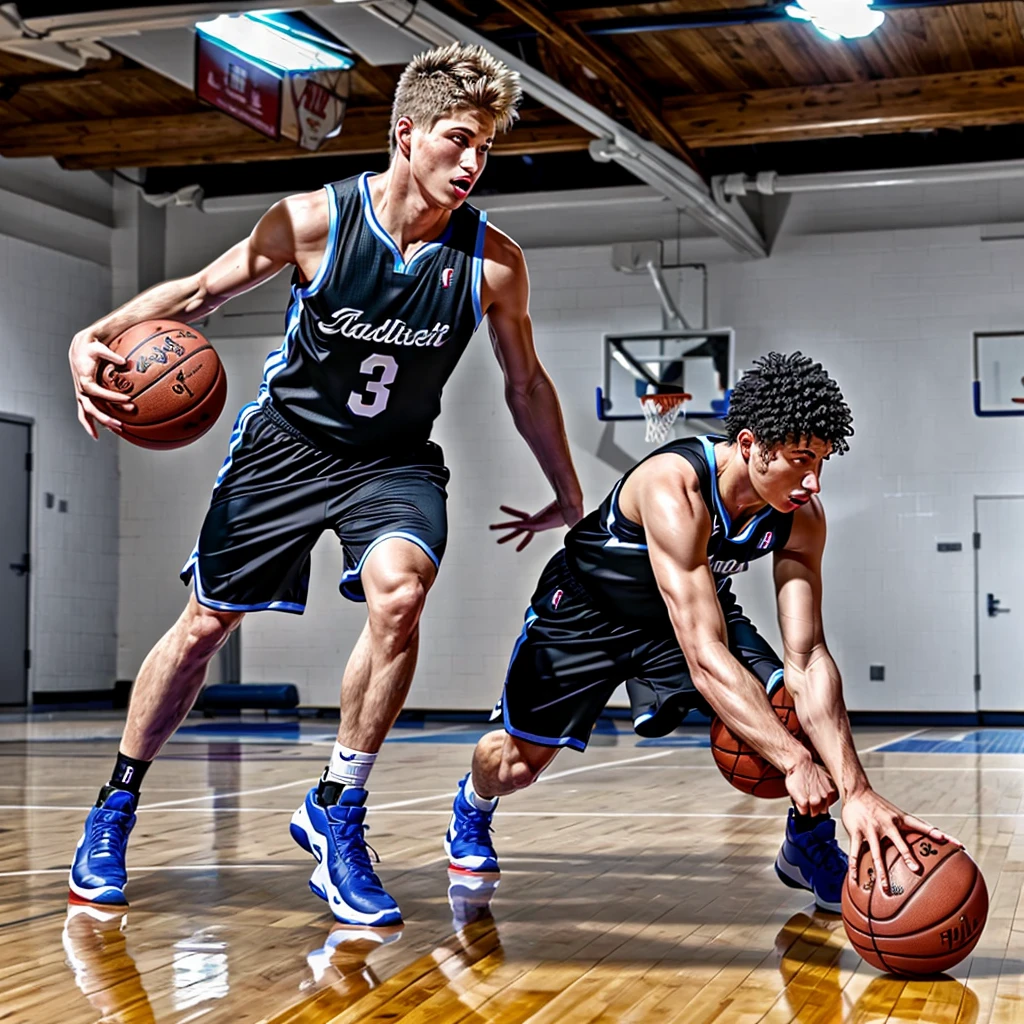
(236, 696)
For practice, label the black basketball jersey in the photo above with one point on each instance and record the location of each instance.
(607, 552)
(371, 340)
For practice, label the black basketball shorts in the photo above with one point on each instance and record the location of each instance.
(571, 655)
(276, 493)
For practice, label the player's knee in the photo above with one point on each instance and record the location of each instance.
(206, 629)
(395, 612)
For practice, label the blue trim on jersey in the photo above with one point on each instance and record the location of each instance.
(277, 360)
(241, 421)
(370, 215)
(744, 535)
(613, 540)
(226, 606)
(774, 681)
(353, 574)
(478, 267)
(330, 252)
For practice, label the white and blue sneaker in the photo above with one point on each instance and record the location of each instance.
(814, 861)
(468, 841)
(98, 873)
(344, 876)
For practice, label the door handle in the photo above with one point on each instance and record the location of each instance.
(993, 608)
(22, 567)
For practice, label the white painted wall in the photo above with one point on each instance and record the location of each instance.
(55, 278)
(890, 313)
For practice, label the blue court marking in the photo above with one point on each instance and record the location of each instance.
(694, 742)
(983, 741)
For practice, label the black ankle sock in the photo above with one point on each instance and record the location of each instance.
(128, 774)
(807, 822)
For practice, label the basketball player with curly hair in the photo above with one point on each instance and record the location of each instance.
(642, 592)
(391, 275)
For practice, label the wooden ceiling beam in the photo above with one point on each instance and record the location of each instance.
(209, 137)
(619, 76)
(885, 106)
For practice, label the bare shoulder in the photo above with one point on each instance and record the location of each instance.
(808, 531)
(294, 229)
(503, 257)
(663, 482)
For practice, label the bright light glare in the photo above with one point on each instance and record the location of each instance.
(257, 36)
(838, 19)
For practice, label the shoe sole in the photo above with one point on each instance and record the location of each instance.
(791, 876)
(303, 832)
(458, 863)
(102, 896)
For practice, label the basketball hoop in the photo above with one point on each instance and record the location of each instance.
(661, 412)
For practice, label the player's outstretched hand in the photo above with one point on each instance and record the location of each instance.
(550, 517)
(869, 818)
(810, 787)
(85, 355)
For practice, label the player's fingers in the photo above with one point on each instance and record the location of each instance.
(87, 423)
(100, 351)
(856, 845)
(100, 417)
(881, 875)
(897, 840)
(526, 540)
(94, 389)
(511, 536)
(913, 823)
(509, 511)
(516, 524)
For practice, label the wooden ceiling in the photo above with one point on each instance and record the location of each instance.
(688, 89)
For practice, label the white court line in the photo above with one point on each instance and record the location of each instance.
(899, 739)
(606, 764)
(224, 796)
(162, 867)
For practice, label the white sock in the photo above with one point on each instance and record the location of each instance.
(350, 767)
(478, 801)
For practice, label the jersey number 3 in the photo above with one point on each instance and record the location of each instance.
(378, 388)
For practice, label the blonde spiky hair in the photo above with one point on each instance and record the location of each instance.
(455, 77)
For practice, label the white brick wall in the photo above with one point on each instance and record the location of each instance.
(890, 313)
(44, 298)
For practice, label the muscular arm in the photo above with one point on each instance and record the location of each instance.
(667, 496)
(293, 231)
(810, 673)
(813, 679)
(529, 391)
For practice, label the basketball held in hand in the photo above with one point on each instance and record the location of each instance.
(928, 922)
(742, 766)
(174, 379)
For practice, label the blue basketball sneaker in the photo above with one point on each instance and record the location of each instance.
(98, 874)
(343, 876)
(814, 861)
(468, 842)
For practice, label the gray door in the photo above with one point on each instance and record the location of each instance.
(15, 467)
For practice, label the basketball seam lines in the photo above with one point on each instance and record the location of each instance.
(156, 380)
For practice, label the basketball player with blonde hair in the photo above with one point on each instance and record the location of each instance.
(391, 275)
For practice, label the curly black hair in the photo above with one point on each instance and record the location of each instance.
(789, 398)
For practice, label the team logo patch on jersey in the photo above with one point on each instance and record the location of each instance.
(765, 542)
(557, 598)
(446, 277)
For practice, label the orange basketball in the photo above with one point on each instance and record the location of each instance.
(175, 380)
(926, 923)
(742, 766)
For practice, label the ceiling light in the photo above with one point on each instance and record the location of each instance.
(276, 39)
(838, 19)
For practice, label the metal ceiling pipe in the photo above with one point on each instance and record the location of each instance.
(770, 183)
(650, 163)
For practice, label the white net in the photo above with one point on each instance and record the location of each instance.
(661, 413)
